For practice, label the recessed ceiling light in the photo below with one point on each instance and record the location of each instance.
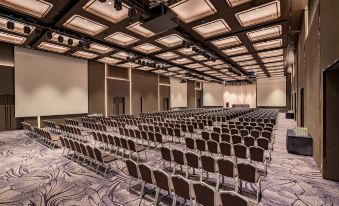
(221, 66)
(186, 51)
(259, 14)
(109, 60)
(277, 52)
(36, 8)
(100, 48)
(234, 3)
(212, 28)
(10, 38)
(168, 55)
(235, 50)
(83, 25)
(128, 65)
(18, 27)
(53, 47)
(145, 68)
(182, 61)
(107, 11)
(199, 57)
(193, 66)
(170, 40)
(121, 55)
(174, 69)
(86, 55)
(226, 42)
(265, 33)
(211, 72)
(138, 29)
(191, 10)
(121, 39)
(147, 48)
(159, 71)
(268, 44)
(251, 67)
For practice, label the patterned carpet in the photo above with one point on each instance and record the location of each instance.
(32, 174)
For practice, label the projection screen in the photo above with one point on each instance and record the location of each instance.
(213, 94)
(271, 92)
(178, 93)
(49, 84)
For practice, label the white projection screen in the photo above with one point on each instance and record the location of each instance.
(213, 94)
(49, 84)
(271, 92)
(178, 93)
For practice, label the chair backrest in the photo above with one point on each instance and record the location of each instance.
(189, 143)
(192, 159)
(98, 155)
(208, 163)
(213, 146)
(83, 149)
(181, 186)
(226, 167)
(162, 180)
(117, 141)
(205, 135)
(178, 156)
(247, 172)
(131, 145)
(225, 149)
(90, 151)
(266, 134)
(132, 168)
(236, 139)
(255, 133)
(215, 136)
(166, 153)
(204, 194)
(225, 137)
(249, 141)
(240, 151)
(146, 173)
(263, 143)
(201, 144)
(232, 198)
(124, 143)
(257, 154)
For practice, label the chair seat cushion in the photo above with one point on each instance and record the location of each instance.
(139, 148)
(109, 158)
(55, 137)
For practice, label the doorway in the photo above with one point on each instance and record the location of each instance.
(302, 109)
(165, 104)
(118, 105)
(198, 103)
(295, 105)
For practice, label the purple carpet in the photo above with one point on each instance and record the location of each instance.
(32, 174)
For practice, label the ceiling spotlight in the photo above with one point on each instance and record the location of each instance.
(60, 39)
(10, 25)
(70, 41)
(27, 30)
(118, 5)
(49, 35)
(87, 45)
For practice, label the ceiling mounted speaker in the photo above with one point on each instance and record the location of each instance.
(27, 30)
(10, 25)
(118, 5)
(49, 35)
(60, 39)
(70, 41)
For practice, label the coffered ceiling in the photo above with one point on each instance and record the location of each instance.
(249, 35)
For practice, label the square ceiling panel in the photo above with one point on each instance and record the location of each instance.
(100, 48)
(121, 39)
(234, 3)
(138, 29)
(272, 53)
(246, 63)
(121, 55)
(211, 63)
(18, 27)
(211, 72)
(84, 25)
(235, 50)
(145, 68)
(169, 73)
(182, 61)
(36, 8)
(53, 47)
(226, 42)
(13, 39)
(242, 58)
(275, 68)
(191, 10)
(159, 71)
(167, 55)
(199, 57)
(128, 65)
(86, 55)
(212, 28)
(109, 60)
(273, 59)
(147, 48)
(251, 67)
(275, 64)
(55, 37)
(174, 69)
(221, 66)
(193, 66)
(170, 40)
(268, 44)
(202, 69)
(186, 51)
(259, 14)
(265, 33)
(106, 10)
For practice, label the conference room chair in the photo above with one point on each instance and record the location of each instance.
(236, 139)
(146, 176)
(181, 188)
(190, 143)
(265, 144)
(232, 198)
(225, 130)
(249, 141)
(240, 151)
(201, 145)
(177, 134)
(227, 168)
(255, 133)
(257, 154)
(192, 161)
(204, 194)
(217, 129)
(225, 137)
(178, 159)
(104, 159)
(249, 173)
(249, 128)
(166, 155)
(226, 149)
(234, 131)
(136, 148)
(205, 135)
(244, 132)
(133, 171)
(213, 147)
(162, 182)
(208, 164)
(215, 136)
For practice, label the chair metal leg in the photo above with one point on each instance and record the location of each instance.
(142, 189)
(156, 196)
(174, 200)
(130, 183)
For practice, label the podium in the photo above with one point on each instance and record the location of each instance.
(299, 144)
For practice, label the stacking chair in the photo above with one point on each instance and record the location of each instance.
(166, 155)
(208, 164)
(248, 173)
(255, 133)
(204, 194)
(265, 144)
(234, 131)
(225, 149)
(240, 151)
(201, 145)
(181, 187)
(133, 147)
(249, 141)
(178, 158)
(244, 132)
(177, 134)
(90, 153)
(225, 137)
(192, 161)
(159, 139)
(257, 154)
(104, 159)
(236, 139)
(146, 175)
(190, 143)
(227, 168)
(232, 198)
(133, 171)
(163, 182)
(205, 135)
(215, 136)
(213, 147)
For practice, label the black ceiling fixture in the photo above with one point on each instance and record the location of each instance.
(118, 5)
(60, 39)
(102, 1)
(27, 29)
(49, 35)
(10, 25)
(70, 41)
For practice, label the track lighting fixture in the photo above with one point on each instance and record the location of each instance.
(60, 39)
(70, 41)
(49, 35)
(10, 25)
(27, 30)
(118, 5)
